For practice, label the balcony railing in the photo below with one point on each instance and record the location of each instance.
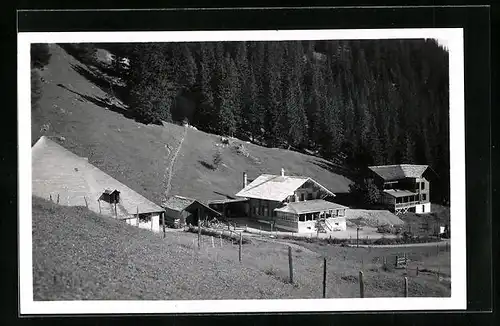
(407, 204)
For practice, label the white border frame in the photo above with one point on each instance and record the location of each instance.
(452, 38)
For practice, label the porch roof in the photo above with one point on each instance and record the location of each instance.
(396, 193)
(309, 206)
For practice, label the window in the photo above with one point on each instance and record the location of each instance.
(143, 218)
(302, 197)
(422, 185)
(309, 196)
(424, 196)
(302, 218)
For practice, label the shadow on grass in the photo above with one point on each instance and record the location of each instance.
(101, 102)
(207, 165)
(106, 86)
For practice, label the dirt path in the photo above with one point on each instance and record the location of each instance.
(293, 245)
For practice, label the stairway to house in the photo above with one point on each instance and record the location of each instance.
(323, 226)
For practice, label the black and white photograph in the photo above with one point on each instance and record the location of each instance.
(196, 171)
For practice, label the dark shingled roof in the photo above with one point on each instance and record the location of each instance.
(309, 206)
(179, 203)
(399, 171)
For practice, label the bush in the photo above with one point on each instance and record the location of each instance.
(217, 159)
(40, 55)
(36, 89)
(386, 228)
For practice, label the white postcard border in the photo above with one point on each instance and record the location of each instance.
(451, 38)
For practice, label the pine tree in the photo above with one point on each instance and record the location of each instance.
(272, 95)
(227, 97)
(150, 84)
(40, 55)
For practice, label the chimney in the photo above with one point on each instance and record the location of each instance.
(245, 180)
(282, 172)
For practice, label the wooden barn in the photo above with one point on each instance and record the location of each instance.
(70, 180)
(181, 211)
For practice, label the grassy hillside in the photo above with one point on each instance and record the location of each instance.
(75, 105)
(79, 255)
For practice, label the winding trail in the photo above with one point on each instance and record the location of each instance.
(172, 162)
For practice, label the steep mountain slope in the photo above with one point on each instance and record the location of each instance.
(75, 107)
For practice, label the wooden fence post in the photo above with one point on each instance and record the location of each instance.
(57, 198)
(241, 242)
(199, 232)
(163, 223)
(86, 203)
(213, 245)
(290, 263)
(406, 263)
(324, 277)
(51, 197)
(137, 215)
(361, 285)
(406, 286)
(220, 239)
(357, 237)
(417, 270)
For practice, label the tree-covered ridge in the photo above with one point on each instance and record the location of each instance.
(368, 102)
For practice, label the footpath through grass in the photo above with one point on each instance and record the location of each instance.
(78, 255)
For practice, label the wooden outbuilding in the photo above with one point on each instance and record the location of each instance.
(181, 211)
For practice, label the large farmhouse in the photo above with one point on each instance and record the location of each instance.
(404, 187)
(70, 180)
(292, 203)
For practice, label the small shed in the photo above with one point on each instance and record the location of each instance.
(181, 211)
(110, 196)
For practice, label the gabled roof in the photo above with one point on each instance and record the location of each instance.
(275, 187)
(399, 193)
(57, 171)
(309, 206)
(227, 201)
(179, 203)
(109, 191)
(399, 171)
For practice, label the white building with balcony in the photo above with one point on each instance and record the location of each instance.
(404, 187)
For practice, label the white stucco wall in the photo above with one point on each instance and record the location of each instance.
(307, 226)
(131, 221)
(337, 224)
(156, 222)
(423, 208)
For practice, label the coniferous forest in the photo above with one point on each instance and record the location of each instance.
(358, 102)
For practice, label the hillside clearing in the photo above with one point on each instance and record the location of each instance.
(78, 255)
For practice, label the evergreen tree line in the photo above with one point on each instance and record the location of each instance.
(368, 102)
